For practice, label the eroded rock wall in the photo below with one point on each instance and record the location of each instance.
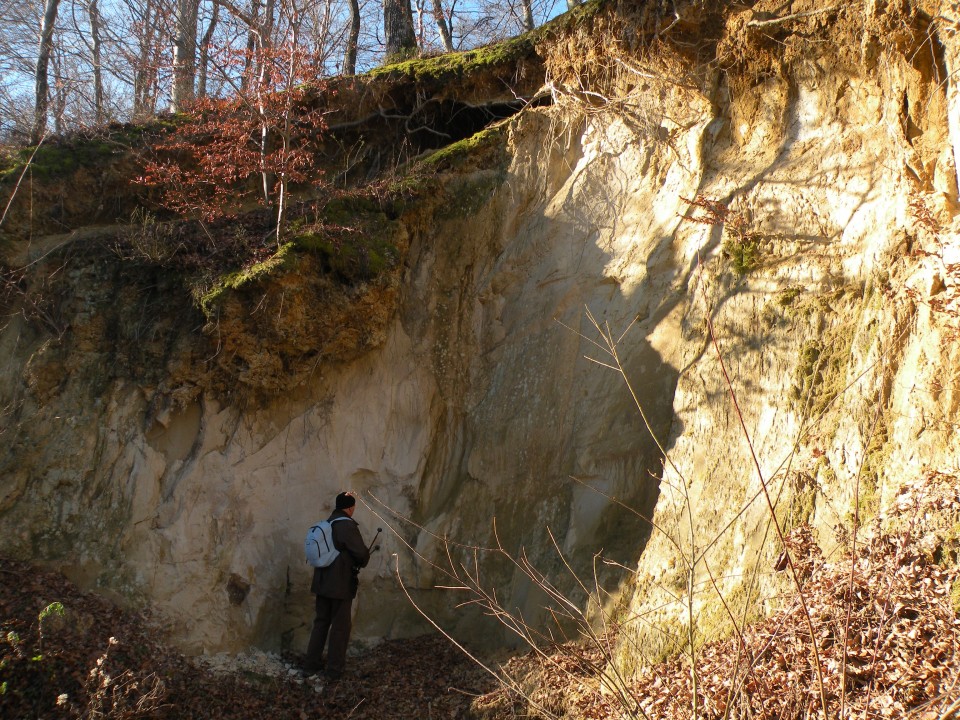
(834, 176)
(830, 299)
(476, 408)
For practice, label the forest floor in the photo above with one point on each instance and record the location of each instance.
(97, 661)
(883, 613)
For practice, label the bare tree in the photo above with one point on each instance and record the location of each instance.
(318, 33)
(183, 89)
(93, 11)
(205, 50)
(65, 80)
(399, 37)
(42, 85)
(350, 52)
(144, 55)
(443, 25)
(253, 20)
(528, 14)
(268, 25)
(103, 59)
(260, 28)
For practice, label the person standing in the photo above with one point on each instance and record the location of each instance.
(335, 587)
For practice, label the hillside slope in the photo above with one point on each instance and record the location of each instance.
(771, 185)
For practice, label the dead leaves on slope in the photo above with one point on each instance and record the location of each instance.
(892, 613)
(98, 661)
(885, 627)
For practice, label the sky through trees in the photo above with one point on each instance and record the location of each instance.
(126, 60)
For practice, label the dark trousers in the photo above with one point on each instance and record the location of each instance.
(333, 617)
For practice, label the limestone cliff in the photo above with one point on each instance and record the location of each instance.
(782, 174)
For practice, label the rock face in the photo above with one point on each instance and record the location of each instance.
(787, 211)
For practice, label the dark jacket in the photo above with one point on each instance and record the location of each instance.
(339, 580)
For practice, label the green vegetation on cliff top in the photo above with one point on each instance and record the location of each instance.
(460, 64)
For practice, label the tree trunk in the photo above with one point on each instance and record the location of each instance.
(267, 41)
(418, 29)
(93, 11)
(320, 37)
(401, 41)
(205, 51)
(184, 55)
(292, 72)
(58, 95)
(252, 40)
(145, 74)
(269, 22)
(350, 54)
(528, 14)
(256, 70)
(43, 63)
(443, 27)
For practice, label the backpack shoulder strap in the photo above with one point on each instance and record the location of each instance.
(331, 522)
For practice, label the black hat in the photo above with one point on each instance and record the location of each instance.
(345, 500)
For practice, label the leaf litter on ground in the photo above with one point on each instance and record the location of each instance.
(884, 616)
(98, 661)
(885, 622)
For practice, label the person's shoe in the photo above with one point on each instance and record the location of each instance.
(333, 675)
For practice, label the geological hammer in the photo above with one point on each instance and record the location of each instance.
(373, 548)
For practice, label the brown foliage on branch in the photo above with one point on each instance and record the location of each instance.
(227, 154)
